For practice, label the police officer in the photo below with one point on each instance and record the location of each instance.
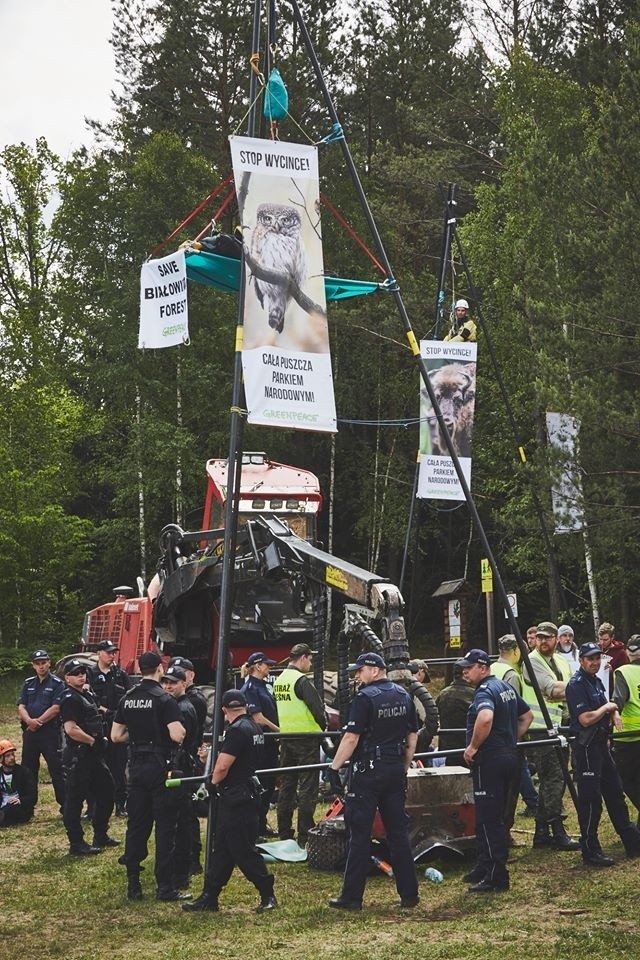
(174, 681)
(149, 719)
(261, 706)
(109, 684)
(380, 740)
(39, 712)
(238, 810)
(626, 693)
(84, 759)
(591, 714)
(199, 703)
(497, 719)
(300, 710)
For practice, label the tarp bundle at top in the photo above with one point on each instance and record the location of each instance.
(223, 273)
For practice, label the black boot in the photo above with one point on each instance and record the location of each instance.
(204, 902)
(542, 837)
(134, 890)
(561, 839)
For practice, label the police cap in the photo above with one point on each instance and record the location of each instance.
(173, 674)
(73, 668)
(590, 649)
(474, 656)
(182, 662)
(39, 655)
(108, 646)
(367, 660)
(259, 658)
(234, 699)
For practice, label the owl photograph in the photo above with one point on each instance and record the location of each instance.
(276, 246)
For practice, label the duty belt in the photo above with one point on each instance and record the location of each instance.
(386, 751)
(139, 749)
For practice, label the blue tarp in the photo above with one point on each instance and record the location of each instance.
(223, 273)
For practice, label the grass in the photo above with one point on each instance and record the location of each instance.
(53, 906)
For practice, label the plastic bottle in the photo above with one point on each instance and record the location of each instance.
(434, 875)
(383, 866)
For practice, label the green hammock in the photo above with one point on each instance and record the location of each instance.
(223, 273)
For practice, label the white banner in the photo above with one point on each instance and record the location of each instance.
(452, 372)
(566, 490)
(164, 310)
(285, 351)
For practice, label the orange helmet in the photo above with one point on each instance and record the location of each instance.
(6, 747)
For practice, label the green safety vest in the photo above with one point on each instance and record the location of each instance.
(555, 707)
(294, 715)
(631, 711)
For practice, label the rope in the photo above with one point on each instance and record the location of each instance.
(197, 210)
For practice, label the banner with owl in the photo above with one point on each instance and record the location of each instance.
(285, 350)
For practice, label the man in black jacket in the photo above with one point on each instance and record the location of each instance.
(17, 788)
(109, 684)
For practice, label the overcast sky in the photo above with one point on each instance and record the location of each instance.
(56, 68)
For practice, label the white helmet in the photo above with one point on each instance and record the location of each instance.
(462, 304)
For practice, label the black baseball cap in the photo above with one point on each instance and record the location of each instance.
(259, 657)
(182, 662)
(73, 668)
(590, 649)
(173, 673)
(367, 660)
(474, 656)
(108, 646)
(234, 699)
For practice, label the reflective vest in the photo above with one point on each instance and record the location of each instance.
(631, 711)
(293, 714)
(555, 707)
(500, 668)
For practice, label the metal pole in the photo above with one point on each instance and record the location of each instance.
(234, 468)
(394, 288)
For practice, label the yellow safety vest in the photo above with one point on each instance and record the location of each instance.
(294, 715)
(500, 668)
(631, 711)
(555, 707)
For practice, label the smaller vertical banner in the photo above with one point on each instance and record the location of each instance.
(164, 310)
(452, 372)
(566, 490)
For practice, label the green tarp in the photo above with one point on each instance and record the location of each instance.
(223, 273)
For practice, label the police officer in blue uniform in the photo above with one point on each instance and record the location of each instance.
(498, 717)
(39, 712)
(149, 719)
(84, 759)
(380, 740)
(591, 714)
(238, 802)
(262, 708)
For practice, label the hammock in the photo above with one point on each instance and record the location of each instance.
(223, 273)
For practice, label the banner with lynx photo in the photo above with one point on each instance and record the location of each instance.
(285, 351)
(452, 373)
